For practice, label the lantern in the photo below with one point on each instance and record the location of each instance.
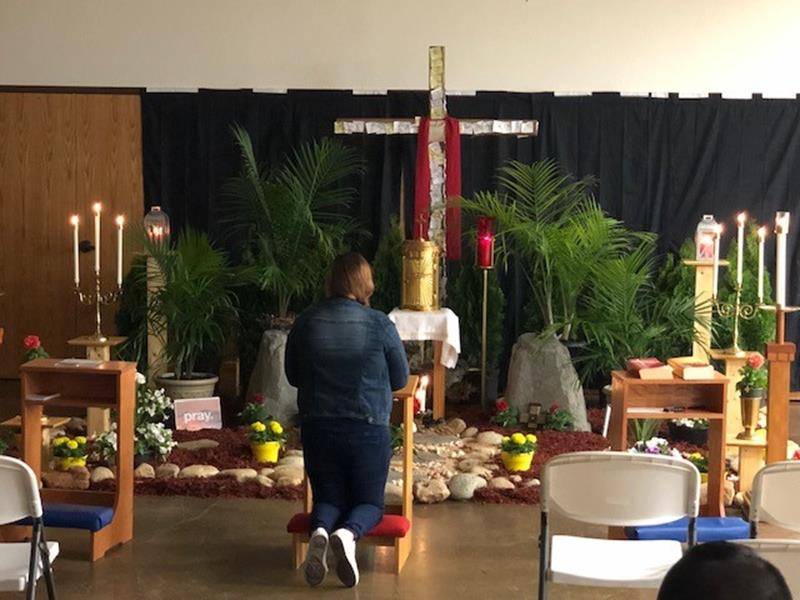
(705, 237)
(420, 275)
(484, 250)
(156, 224)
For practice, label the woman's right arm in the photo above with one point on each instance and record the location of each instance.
(395, 357)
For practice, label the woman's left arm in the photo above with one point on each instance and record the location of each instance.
(396, 357)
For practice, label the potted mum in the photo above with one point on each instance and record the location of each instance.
(701, 462)
(518, 450)
(751, 388)
(69, 452)
(266, 440)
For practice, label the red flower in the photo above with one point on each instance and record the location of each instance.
(755, 361)
(258, 398)
(501, 406)
(417, 406)
(32, 342)
(554, 408)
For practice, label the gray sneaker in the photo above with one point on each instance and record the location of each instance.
(316, 566)
(343, 546)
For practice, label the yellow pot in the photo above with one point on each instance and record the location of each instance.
(68, 462)
(517, 462)
(266, 452)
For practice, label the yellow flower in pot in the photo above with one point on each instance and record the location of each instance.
(701, 462)
(518, 450)
(266, 441)
(69, 452)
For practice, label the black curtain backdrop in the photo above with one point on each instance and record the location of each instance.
(661, 162)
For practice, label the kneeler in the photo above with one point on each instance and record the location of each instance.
(394, 530)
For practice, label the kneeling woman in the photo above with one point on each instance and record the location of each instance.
(345, 359)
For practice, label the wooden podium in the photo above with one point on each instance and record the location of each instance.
(110, 385)
(634, 398)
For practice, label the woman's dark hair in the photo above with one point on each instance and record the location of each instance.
(723, 571)
(350, 276)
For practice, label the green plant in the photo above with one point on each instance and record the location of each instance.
(756, 332)
(253, 412)
(551, 223)
(387, 268)
(754, 376)
(131, 317)
(261, 433)
(558, 419)
(519, 443)
(195, 301)
(465, 297)
(397, 437)
(505, 415)
(33, 348)
(644, 429)
(698, 460)
(291, 222)
(103, 446)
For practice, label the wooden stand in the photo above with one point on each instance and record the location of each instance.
(751, 459)
(634, 398)
(98, 420)
(109, 385)
(402, 545)
(703, 285)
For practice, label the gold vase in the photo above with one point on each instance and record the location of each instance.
(420, 275)
(751, 405)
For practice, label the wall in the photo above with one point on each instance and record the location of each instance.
(58, 153)
(689, 46)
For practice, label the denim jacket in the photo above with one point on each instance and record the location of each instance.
(345, 359)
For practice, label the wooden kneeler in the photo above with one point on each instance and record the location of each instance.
(394, 530)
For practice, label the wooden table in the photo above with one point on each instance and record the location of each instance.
(107, 385)
(634, 398)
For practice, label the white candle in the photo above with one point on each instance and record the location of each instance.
(76, 260)
(781, 229)
(715, 273)
(762, 234)
(740, 219)
(120, 223)
(96, 208)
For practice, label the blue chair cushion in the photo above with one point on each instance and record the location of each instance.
(709, 529)
(75, 516)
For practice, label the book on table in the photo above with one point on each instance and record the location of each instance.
(691, 368)
(648, 368)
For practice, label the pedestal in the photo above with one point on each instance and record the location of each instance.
(703, 285)
(780, 357)
(751, 459)
(156, 332)
(732, 366)
(98, 420)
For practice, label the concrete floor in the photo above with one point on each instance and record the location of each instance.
(199, 549)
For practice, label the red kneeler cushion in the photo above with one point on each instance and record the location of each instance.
(395, 526)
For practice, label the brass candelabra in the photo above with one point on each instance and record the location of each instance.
(99, 299)
(738, 311)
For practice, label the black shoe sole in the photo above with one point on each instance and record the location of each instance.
(344, 570)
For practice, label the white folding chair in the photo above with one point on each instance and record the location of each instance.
(774, 500)
(21, 564)
(614, 489)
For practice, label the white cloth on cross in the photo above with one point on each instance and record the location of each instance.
(437, 325)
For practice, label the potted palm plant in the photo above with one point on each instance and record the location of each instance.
(196, 304)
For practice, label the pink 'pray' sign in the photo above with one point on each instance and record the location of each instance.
(192, 414)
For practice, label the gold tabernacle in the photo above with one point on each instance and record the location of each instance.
(420, 275)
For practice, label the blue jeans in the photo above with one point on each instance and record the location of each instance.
(347, 461)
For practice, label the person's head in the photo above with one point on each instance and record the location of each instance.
(350, 276)
(723, 571)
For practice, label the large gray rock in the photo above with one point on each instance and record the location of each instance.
(541, 371)
(269, 379)
(463, 486)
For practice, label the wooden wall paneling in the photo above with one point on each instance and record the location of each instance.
(58, 152)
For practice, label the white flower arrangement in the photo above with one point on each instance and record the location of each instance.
(691, 423)
(655, 445)
(152, 408)
(104, 445)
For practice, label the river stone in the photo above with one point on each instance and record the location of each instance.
(482, 471)
(101, 474)
(469, 432)
(264, 481)
(294, 452)
(466, 465)
(289, 471)
(293, 460)
(428, 438)
(167, 471)
(289, 480)
(515, 478)
(393, 494)
(532, 483)
(463, 486)
(431, 491)
(202, 471)
(269, 380)
(541, 371)
(201, 444)
(77, 478)
(489, 438)
(501, 483)
(241, 475)
(456, 425)
(144, 471)
(267, 471)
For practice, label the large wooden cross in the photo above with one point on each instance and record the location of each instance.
(436, 147)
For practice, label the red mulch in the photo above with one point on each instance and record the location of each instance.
(233, 452)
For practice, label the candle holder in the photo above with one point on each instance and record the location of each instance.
(738, 311)
(484, 259)
(99, 299)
